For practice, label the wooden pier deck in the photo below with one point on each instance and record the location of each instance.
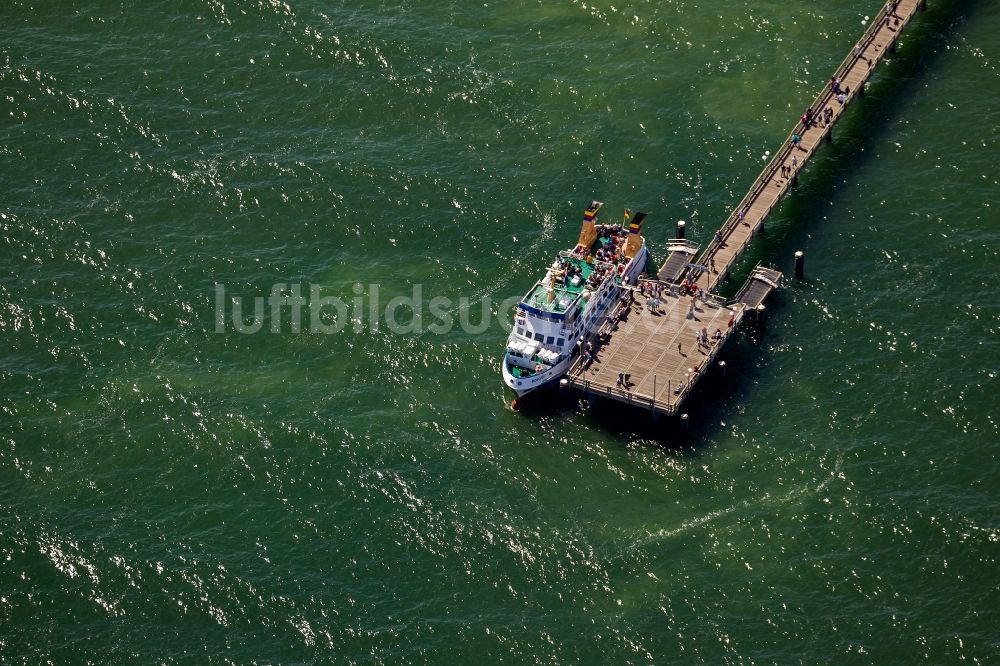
(772, 185)
(657, 351)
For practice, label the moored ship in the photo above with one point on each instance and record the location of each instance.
(559, 314)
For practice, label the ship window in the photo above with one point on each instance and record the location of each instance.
(550, 340)
(561, 341)
(539, 337)
(520, 330)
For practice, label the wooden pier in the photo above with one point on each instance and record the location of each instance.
(773, 184)
(647, 353)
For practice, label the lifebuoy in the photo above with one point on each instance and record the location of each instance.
(539, 367)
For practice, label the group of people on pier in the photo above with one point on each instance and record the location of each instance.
(691, 288)
(701, 337)
(653, 291)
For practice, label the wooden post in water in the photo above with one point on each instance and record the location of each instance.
(800, 261)
(681, 224)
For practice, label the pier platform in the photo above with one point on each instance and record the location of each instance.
(656, 348)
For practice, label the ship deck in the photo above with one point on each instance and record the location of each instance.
(567, 291)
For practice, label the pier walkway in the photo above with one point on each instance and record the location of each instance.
(773, 184)
(648, 354)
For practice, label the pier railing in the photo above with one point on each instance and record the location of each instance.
(822, 100)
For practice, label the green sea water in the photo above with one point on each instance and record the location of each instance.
(175, 494)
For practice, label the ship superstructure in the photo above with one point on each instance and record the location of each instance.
(557, 316)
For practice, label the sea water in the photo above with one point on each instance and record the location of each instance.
(183, 485)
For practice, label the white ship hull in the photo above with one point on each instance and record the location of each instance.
(547, 336)
(523, 386)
